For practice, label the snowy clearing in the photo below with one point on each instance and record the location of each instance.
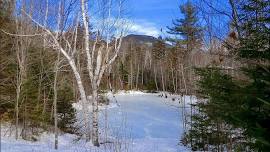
(137, 122)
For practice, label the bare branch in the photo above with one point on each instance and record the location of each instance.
(22, 35)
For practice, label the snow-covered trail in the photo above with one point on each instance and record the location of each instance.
(147, 116)
(151, 121)
(143, 123)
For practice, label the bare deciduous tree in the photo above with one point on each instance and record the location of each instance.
(100, 54)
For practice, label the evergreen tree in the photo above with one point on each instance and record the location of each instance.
(188, 39)
(7, 63)
(242, 102)
(66, 112)
(123, 72)
(187, 29)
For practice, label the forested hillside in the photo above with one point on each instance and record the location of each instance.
(54, 54)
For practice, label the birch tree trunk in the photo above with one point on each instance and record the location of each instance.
(95, 133)
(21, 55)
(55, 111)
(155, 73)
(99, 58)
(56, 69)
(142, 74)
(137, 76)
(183, 78)
(131, 76)
(162, 79)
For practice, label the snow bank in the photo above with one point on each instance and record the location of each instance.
(137, 122)
(78, 106)
(130, 92)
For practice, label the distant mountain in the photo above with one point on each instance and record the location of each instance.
(140, 39)
(143, 41)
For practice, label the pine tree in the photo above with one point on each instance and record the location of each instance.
(7, 64)
(66, 113)
(188, 33)
(242, 102)
(187, 29)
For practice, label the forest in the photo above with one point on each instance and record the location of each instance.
(80, 75)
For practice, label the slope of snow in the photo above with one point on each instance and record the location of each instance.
(137, 122)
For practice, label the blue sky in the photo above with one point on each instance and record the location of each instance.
(149, 16)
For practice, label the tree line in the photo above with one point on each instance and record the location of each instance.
(233, 114)
(53, 55)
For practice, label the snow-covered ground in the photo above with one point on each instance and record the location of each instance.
(137, 122)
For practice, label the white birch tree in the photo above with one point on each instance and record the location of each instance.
(101, 51)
